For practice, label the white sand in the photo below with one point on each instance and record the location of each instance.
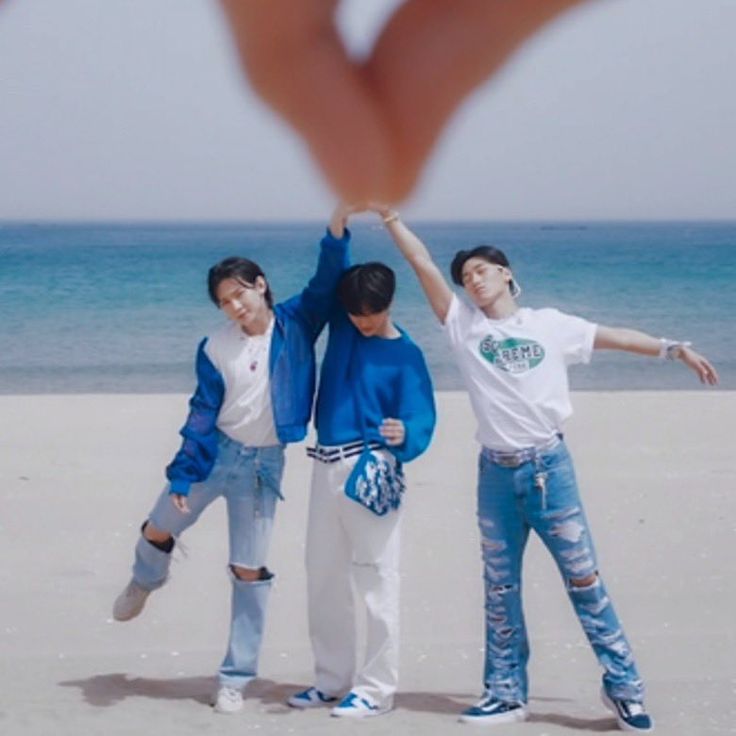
(79, 474)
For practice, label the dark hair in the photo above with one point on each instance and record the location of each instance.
(367, 288)
(242, 270)
(486, 252)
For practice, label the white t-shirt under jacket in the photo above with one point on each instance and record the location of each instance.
(246, 414)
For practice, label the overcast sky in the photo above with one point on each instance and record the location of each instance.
(135, 109)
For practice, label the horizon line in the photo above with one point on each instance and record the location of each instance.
(15, 222)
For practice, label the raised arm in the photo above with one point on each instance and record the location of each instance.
(634, 341)
(436, 288)
(339, 218)
(316, 300)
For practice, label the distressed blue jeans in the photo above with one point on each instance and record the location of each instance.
(542, 494)
(249, 479)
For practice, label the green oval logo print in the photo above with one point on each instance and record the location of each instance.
(512, 355)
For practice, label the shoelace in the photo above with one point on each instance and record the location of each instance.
(634, 709)
(230, 694)
(181, 551)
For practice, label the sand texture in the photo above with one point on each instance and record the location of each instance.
(79, 474)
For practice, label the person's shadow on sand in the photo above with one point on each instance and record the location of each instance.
(103, 691)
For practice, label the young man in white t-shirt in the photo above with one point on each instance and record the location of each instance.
(514, 363)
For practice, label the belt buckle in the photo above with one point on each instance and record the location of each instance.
(509, 460)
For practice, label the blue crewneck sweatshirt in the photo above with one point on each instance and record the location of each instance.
(377, 378)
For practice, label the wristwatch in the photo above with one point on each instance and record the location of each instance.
(670, 349)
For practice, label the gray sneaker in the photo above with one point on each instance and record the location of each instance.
(130, 602)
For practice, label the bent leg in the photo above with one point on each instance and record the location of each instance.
(563, 527)
(158, 534)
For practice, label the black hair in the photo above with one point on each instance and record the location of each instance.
(241, 270)
(367, 288)
(487, 252)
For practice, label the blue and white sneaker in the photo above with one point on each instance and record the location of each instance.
(353, 706)
(489, 710)
(310, 698)
(630, 714)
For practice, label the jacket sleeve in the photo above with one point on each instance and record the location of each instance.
(194, 461)
(315, 303)
(416, 409)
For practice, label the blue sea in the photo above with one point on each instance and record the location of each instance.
(121, 307)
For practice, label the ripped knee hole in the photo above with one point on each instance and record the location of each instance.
(157, 538)
(251, 575)
(584, 582)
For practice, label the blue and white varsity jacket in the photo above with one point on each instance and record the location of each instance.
(297, 324)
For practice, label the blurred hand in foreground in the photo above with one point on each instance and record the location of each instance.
(372, 125)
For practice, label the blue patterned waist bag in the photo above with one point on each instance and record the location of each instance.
(376, 481)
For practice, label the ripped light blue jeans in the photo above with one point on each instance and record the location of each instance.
(542, 494)
(249, 479)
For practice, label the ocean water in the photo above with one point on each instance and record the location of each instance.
(121, 307)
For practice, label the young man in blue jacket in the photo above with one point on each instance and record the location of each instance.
(255, 388)
(374, 391)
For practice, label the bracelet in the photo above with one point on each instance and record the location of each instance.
(669, 349)
(391, 218)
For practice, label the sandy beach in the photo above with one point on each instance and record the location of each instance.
(79, 474)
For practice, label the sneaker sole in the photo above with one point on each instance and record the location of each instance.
(225, 711)
(307, 706)
(620, 721)
(356, 714)
(222, 712)
(127, 617)
(515, 716)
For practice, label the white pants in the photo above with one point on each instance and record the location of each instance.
(348, 545)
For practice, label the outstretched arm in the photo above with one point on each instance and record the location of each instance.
(436, 288)
(634, 341)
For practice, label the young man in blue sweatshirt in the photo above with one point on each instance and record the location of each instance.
(374, 390)
(255, 388)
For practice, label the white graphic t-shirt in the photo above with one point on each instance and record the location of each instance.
(246, 414)
(515, 370)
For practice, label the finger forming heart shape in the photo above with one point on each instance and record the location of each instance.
(371, 125)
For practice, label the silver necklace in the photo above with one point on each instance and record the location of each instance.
(255, 346)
